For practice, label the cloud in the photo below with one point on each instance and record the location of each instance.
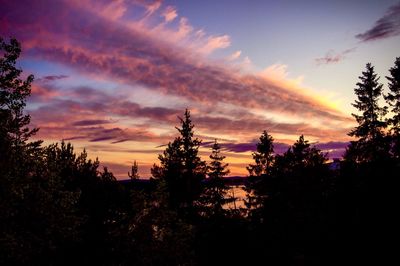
(51, 78)
(278, 74)
(251, 124)
(334, 149)
(90, 122)
(42, 93)
(385, 27)
(169, 14)
(331, 57)
(234, 56)
(132, 53)
(114, 10)
(215, 42)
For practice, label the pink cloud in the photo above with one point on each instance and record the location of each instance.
(214, 43)
(169, 14)
(87, 41)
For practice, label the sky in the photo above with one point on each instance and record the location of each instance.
(113, 76)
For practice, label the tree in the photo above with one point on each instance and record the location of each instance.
(213, 197)
(134, 171)
(393, 99)
(37, 210)
(181, 167)
(259, 174)
(13, 94)
(371, 144)
(263, 157)
(194, 170)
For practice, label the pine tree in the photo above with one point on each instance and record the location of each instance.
(213, 197)
(194, 169)
(263, 157)
(13, 94)
(393, 99)
(371, 143)
(134, 171)
(260, 174)
(170, 171)
(37, 211)
(181, 166)
(368, 93)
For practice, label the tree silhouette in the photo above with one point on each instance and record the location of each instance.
(170, 170)
(263, 157)
(13, 94)
(371, 144)
(134, 171)
(194, 168)
(213, 197)
(393, 99)
(259, 174)
(181, 167)
(37, 210)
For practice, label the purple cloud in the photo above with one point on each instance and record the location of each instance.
(331, 57)
(333, 148)
(51, 78)
(385, 27)
(84, 40)
(90, 122)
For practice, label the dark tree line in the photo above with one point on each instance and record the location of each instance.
(57, 207)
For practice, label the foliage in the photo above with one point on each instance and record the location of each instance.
(58, 208)
(181, 167)
(371, 144)
(259, 173)
(263, 157)
(393, 99)
(214, 195)
(134, 171)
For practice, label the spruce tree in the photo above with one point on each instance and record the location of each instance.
(213, 197)
(37, 211)
(263, 157)
(194, 169)
(393, 99)
(134, 171)
(181, 166)
(371, 143)
(260, 175)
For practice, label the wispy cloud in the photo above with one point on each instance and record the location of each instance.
(91, 122)
(385, 27)
(234, 56)
(333, 57)
(334, 149)
(51, 78)
(162, 52)
(169, 14)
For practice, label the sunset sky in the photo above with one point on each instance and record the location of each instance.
(112, 76)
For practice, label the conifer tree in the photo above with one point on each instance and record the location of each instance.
(213, 197)
(368, 91)
(393, 99)
(181, 166)
(263, 157)
(260, 174)
(134, 171)
(14, 91)
(37, 211)
(371, 143)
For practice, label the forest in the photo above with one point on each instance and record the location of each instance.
(57, 207)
